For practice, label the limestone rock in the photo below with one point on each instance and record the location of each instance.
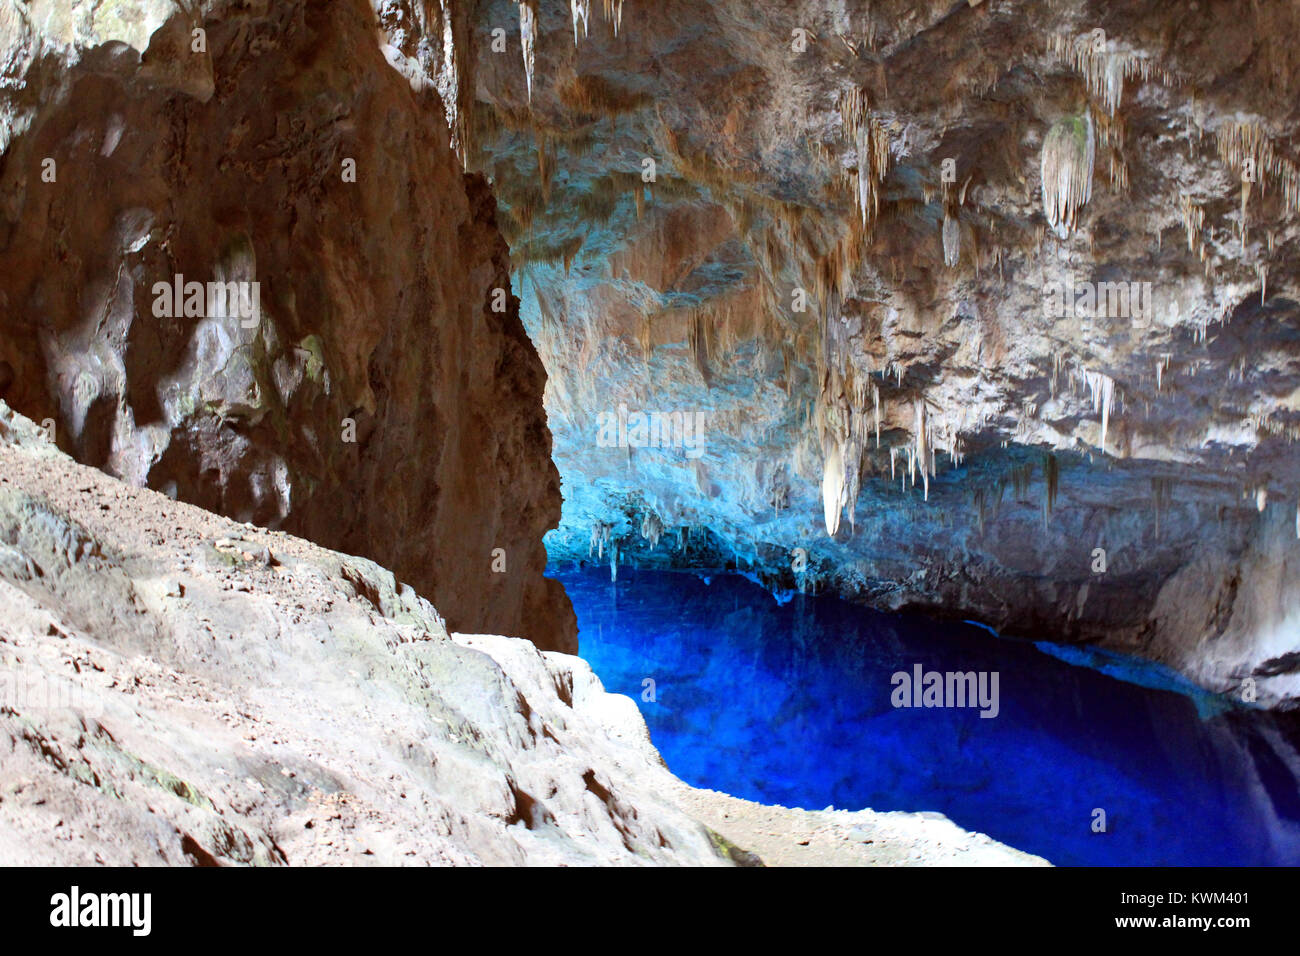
(384, 398)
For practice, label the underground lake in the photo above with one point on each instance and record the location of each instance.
(1085, 757)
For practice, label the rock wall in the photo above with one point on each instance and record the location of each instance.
(382, 398)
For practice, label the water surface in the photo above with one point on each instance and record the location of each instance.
(791, 704)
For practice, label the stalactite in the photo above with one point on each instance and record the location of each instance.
(614, 12)
(581, 13)
(454, 85)
(1193, 222)
(1069, 153)
(834, 488)
(699, 347)
(951, 240)
(921, 438)
(875, 401)
(1022, 477)
(1162, 493)
(527, 37)
(871, 143)
(1051, 475)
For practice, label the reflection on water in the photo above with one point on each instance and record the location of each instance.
(790, 704)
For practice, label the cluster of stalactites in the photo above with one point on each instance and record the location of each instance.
(581, 12)
(871, 143)
(1104, 67)
(1069, 154)
(1101, 390)
(614, 13)
(1193, 222)
(599, 538)
(843, 426)
(652, 529)
(1245, 145)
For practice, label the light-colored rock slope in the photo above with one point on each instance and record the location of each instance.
(177, 688)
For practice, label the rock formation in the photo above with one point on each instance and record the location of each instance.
(990, 308)
(181, 689)
(368, 384)
(177, 688)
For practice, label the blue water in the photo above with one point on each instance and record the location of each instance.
(790, 704)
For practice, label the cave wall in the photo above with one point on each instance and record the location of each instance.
(849, 262)
(384, 398)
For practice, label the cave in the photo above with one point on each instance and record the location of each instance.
(684, 416)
